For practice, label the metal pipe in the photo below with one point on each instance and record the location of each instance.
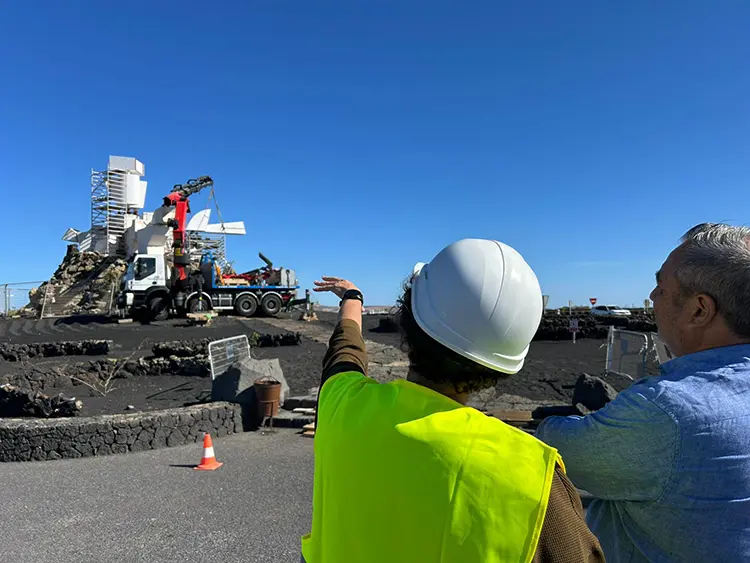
(266, 260)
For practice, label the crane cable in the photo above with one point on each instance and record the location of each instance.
(212, 195)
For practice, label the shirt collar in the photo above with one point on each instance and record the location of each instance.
(709, 359)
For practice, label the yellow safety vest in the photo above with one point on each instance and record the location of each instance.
(405, 474)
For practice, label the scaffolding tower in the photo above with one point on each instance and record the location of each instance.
(115, 193)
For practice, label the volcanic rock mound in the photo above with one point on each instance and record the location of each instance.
(15, 402)
(82, 284)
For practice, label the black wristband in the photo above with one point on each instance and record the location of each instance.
(352, 294)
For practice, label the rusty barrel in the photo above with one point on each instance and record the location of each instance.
(268, 396)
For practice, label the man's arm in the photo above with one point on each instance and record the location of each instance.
(624, 451)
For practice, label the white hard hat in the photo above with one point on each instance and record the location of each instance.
(480, 299)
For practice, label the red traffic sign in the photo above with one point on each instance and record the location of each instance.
(592, 300)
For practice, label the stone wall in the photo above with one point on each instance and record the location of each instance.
(20, 352)
(44, 439)
(555, 327)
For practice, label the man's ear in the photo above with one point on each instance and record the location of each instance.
(703, 309)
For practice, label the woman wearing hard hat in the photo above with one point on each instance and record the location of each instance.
(404, 471)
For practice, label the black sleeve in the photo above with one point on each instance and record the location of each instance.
(346, 352)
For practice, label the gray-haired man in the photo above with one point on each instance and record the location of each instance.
(669, 458)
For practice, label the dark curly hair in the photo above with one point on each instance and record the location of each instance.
(435, 362)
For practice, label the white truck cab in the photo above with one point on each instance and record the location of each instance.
(145, 271)
(145, 279)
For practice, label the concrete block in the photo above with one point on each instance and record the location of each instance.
(236, 384)
(288, 419)
(301, 402)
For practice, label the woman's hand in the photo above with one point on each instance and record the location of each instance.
(337, 286)
(351, 309)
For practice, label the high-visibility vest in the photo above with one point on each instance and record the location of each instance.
(405, 474)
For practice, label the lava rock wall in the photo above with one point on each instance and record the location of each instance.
(15, 402)
(199, 347)
(556, 327)
(27, 440)
(22, 352)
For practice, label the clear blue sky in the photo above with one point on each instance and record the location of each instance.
(356, 139)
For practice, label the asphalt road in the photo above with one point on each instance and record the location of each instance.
(153, 507)
(143, 507)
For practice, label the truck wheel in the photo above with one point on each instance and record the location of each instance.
(246, 305)
(158, 308)
(199, 305)
(271, 304)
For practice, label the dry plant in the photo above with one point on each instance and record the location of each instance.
(104, 385)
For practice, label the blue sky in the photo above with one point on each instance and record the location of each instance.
(355, 139)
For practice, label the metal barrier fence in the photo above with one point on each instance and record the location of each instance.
(663, 353)
(14, 296)
(227, 353)
(629, 352)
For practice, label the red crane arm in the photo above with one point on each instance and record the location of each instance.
(179, 199)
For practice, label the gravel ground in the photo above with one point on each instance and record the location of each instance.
(300, 364)
(550, 371)
(547, 378)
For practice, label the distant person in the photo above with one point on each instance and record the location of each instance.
(404, 471)
(670, 456)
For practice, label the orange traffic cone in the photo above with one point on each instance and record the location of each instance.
(208, 462)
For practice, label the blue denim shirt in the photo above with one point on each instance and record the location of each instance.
(669, 462)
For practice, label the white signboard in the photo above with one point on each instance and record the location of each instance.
(573, 328)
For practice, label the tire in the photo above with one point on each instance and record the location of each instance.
(271, 304)
(246, 305)
(158, 308)
(199, 304)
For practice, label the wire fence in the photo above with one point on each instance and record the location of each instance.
(14, 296)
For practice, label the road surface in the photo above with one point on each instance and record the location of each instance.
(148, 507)
(153, 507)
